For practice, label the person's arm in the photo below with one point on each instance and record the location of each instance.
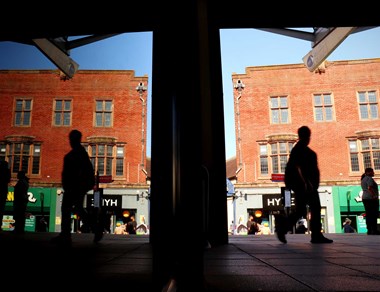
(9, 175)
(371, 189)
(306, 182)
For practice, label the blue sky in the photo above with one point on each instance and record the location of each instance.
(240, 49)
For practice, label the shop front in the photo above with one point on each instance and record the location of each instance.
(40, 212)
(120, 205)
(349, 200)
(264, 204)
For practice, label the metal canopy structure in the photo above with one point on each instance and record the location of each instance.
(188, 170)
(57, 50)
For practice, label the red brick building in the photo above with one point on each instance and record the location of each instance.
(339, 102)
(40, 107)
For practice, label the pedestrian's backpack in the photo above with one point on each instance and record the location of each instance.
(89, 175)
(291, 175)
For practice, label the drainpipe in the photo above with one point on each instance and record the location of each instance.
(141, 88)
(239, 86)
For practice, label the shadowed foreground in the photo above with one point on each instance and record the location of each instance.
(247, 263)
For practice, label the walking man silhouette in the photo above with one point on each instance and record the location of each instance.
(303, 177)
(78, 178)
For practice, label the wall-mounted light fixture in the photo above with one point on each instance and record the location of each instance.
(240, 194)
(239, 86)
(142, 195)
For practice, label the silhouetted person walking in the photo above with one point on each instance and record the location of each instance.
(303, 177)
(370, 199)
(5, 178)
(20, 201)
(78, 178)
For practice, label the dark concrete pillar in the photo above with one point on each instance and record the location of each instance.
(188, 179)
(213, 145)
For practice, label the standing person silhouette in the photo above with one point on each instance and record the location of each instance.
(5, 178)
(303, 177)
(78, 178)
(252, 225)
(131, 225)
(20, 201)
(370, 199)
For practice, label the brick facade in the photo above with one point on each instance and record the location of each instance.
(342, 79)
(129, 122)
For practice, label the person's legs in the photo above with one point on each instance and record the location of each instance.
(99, 225)
(283, 221)
(368, 215)
(21, 218)
(82, 213)
(16, 216)
(3, 198)
(19, 215)
(64, 236)
(372, 212)
(315, 215)
(375, 216)
(281, 226)
(92, 221)
(301, 207)
(67, 206)
(315, 219)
